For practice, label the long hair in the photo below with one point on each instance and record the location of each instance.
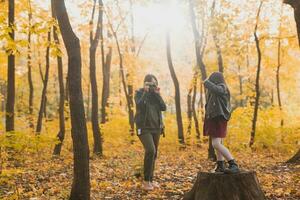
(217, 78)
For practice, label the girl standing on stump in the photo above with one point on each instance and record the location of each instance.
(217, 114)
(149, 124)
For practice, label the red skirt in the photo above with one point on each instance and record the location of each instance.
(216, 127)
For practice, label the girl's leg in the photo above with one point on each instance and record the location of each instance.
(150, 151)
(220, 157)
(221, 149)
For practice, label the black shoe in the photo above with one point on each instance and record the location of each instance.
(233, 167)
(220, 166)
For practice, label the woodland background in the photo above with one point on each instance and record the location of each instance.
(254, 43)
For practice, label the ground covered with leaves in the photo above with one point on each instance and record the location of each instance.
(36, 175)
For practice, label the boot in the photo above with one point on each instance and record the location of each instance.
(233, 167)
(220, 166)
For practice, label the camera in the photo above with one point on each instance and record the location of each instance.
(152, 86)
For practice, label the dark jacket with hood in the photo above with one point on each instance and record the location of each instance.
(148, 110)
(217, 99)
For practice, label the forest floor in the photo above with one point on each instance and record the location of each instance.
(118, 174)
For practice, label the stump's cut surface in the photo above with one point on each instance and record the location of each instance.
(212, 186)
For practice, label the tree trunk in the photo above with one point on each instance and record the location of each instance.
(195, 117)
(43, 98)
(212, 186)
(200, 63)
(129, 75)
(177, 91)
(10, 99)
(257, 91)
(296, 6)
(241, 86)
(295, 158)
(217, 41)
(94, 41)
(61, 134)
(278, 71)
(106, 83)
(81, 181)
(29, 67)
(189, 111)
(129, 100)
(88, 106)
(106, 65)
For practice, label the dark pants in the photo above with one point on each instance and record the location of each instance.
(150, 140)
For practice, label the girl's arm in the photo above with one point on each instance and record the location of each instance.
(218, 89)
(140, 98)
(162, 104)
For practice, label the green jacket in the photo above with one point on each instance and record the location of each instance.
(217, 100)
(149, 107)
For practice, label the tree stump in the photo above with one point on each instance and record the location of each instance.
(212, 186)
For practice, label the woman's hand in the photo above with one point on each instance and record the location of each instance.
(157, 90)
(146, 88)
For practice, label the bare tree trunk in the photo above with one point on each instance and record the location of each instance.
(106, 84)
(61, 134)
(296, 6)
(257, 90)
(195, 117)
(106, 65)
(217, 41)
(43, 98)
(278, 71)
(88, 106)
(29, 66)
(10, 101)
(94, 41)
(177, 91)
(241, 86)
(200, 63)
(129, 100)
(189, 111)
(81, 181)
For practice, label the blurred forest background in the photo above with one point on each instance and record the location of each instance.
(254, 43)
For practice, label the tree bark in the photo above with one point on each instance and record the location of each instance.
(295, 158)
(45, 81)
(10, 101)
(257, 90)
(217, 42)
(278, 70)
(61, 134)
(177, 90)
(241, 86)
(189, 111)
(212, 186)
(200, 63)
(94, 41)
(296, 6)
(81, 181)
(129, 100)
(106, 83)
(29, 67)
(195, 117)
(106, 65)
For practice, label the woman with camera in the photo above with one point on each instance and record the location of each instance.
(149, 125)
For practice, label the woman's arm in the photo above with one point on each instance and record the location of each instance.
(162, 104)
(140, 98)
(218, 89)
